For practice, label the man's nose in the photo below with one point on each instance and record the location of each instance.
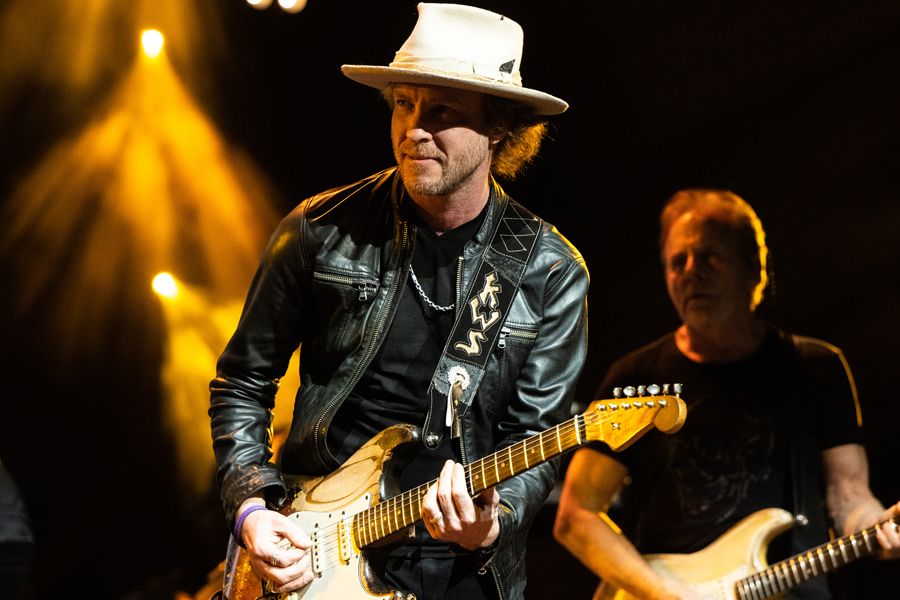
(693, 266)
(416, 126)
(690, 263)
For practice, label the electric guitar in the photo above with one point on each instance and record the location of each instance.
(357, 506)
(734, 566)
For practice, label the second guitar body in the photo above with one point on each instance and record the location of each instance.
(734, 567)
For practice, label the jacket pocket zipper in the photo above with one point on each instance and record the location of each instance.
(522, 334)
(365, 286)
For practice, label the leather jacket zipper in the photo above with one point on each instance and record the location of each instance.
(524, 334)
(367, 356)
(459, 266)
(366, 286)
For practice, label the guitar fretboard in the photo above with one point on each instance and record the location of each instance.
(791, 572)
(401, 511)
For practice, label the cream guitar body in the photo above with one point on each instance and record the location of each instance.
(324, 508)
(734, 567)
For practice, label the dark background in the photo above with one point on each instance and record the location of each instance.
(792, 105)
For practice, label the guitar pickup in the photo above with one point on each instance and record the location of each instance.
(345, 539)
(315, 554)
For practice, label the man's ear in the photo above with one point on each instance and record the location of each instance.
(497, 133)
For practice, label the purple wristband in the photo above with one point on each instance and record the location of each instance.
(240, 522)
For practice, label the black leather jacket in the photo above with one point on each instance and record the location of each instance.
(329, 279)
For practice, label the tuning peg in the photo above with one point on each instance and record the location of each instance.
(677, 387)
(653, 389)
(665, 389)
(617, 392)
(629, 391)
(641, 390)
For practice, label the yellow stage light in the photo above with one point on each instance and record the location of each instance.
(260, 4)
(165, 285)
(292, 6)
(152, 41)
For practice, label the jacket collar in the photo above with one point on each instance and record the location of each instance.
(496, 201)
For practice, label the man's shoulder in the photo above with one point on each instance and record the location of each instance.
(649, 352)
(811, 348)
(555, 237)
(550, 241)
(328, 201)
(816, 357)
(554, 252)
(644, 362)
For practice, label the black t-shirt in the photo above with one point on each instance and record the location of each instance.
(394, 387)
(731, 457)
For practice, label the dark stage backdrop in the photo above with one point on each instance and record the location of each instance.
(792, 105)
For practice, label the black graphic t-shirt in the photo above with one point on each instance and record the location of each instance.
(732, 456)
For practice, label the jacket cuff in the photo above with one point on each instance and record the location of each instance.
(485, 556)
(259, 481)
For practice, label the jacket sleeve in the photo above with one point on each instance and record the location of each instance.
(242, 394)
(545, 388)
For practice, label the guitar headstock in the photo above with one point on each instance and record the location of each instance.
(633, 411)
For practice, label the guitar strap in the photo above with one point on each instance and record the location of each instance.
(478, 323)
(796, 384)
(810, 526)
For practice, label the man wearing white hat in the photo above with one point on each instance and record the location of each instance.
(422, 295)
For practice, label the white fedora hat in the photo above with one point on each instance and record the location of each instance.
(461, 47)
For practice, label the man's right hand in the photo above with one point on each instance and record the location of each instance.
(277, 547)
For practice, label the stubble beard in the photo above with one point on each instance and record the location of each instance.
(454, 174)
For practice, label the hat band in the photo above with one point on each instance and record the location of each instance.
(453, 68)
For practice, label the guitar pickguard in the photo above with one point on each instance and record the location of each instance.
(339, 565)
(324, 508)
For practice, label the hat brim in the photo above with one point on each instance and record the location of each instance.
(381, 77)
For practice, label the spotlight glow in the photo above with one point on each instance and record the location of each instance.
(260, 4)
(165, 285)
(152, 41)
(147, 186)
(292, 6)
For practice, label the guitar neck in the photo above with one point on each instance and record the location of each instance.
(791, 572)
(401, 511)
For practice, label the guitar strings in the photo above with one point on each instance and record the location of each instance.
(790, 572)
(389, 514)
(394, 510)
(327, 538)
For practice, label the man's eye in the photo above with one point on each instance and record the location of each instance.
(446, 113)
(403, 103)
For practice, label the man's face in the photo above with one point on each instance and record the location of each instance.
(439, 138)
(710, 284)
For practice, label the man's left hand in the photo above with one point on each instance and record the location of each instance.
(450, 514)
(889, 536)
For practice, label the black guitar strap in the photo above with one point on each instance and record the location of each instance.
(810, 526)
(797, 385)
(478, 321)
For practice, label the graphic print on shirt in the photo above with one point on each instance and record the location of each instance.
(713, 471)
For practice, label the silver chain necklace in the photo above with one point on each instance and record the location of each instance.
(428, 300)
